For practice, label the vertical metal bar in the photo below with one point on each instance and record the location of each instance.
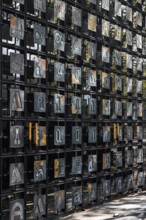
(47, 107)
(1, 121)
(25, 110)
(81, 120)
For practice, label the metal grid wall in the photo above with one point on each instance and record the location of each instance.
(77, 101)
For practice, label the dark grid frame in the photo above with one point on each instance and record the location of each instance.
(96, 121)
